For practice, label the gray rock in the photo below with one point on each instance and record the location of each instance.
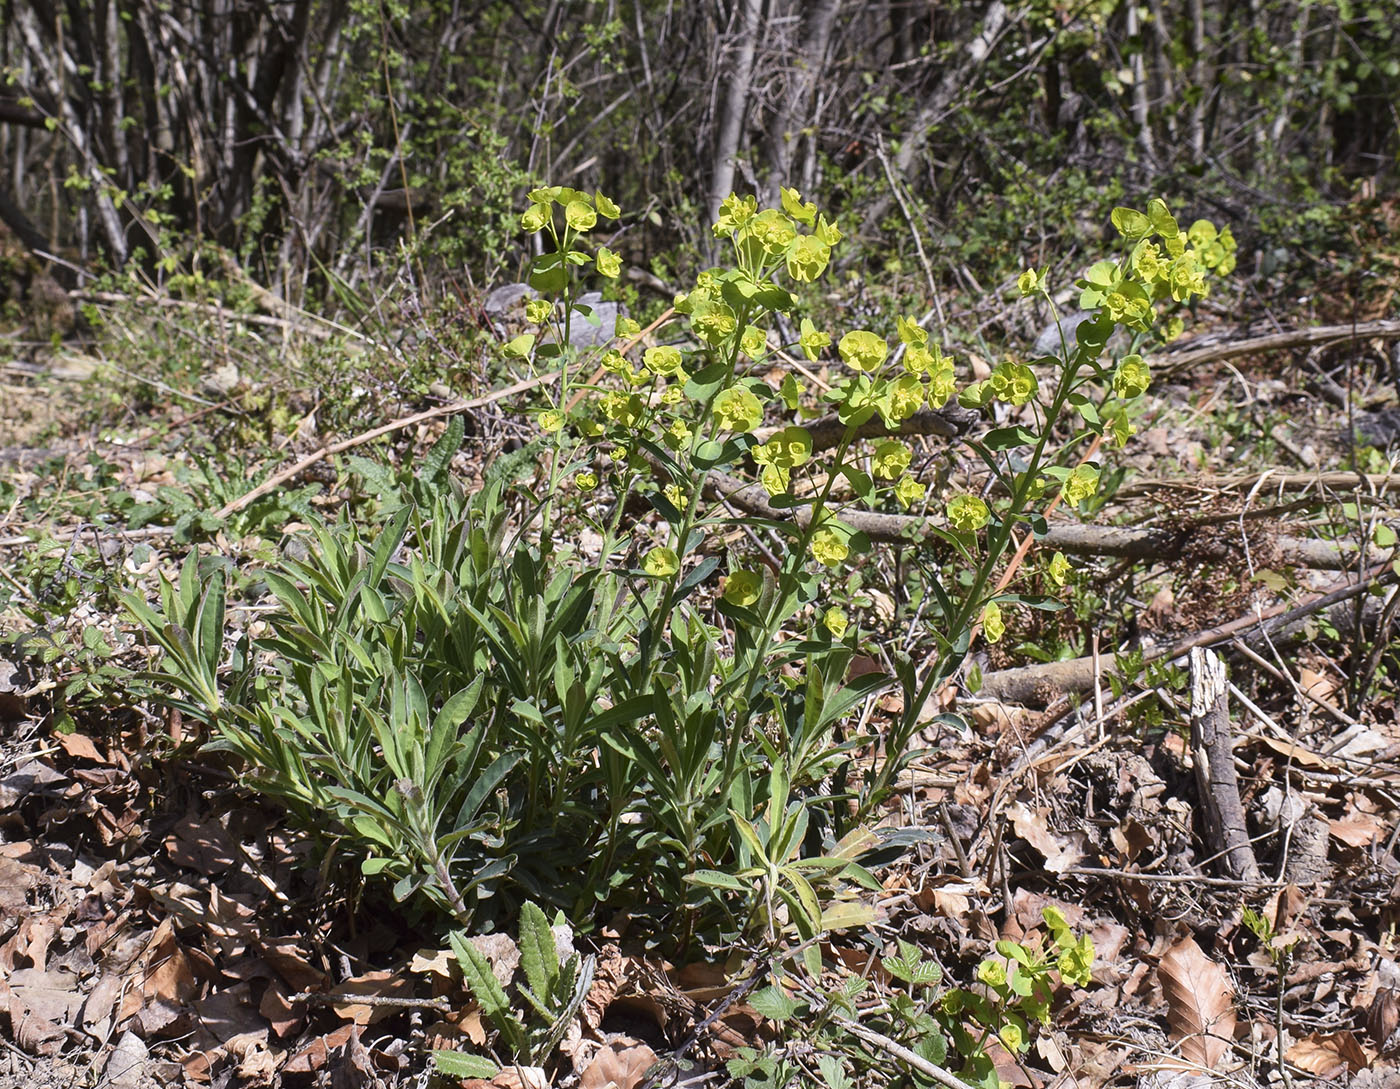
(506, 300)
(506, 305)
(1048, 342)
(583, 334)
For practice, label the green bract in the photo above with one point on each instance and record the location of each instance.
(909, 491)
(829, 547)
(1131, 224)
(793, 206)
(1014, 383)
(890, 459)
(606, 208)
(742, 588)
(942, 382)
(863, 349)
(661, 562)
(788, 448)
(608, 263)
(520, 346)
(662, 360)
(1132, 377)
(737, 409)
(753, 342)
(993, 625)
(714, 323)
(812, 339)
(772, 230)
(534, 217)
(579, 215)
(911, 332)
(968, 513)
(834, 619)
(807, 258)
(1080, 485)
(734, 212)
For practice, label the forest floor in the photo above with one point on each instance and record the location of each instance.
(160, 926)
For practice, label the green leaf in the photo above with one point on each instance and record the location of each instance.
(706, 382)
(1006, 438)
(547, 274)
(538, 955)
(714, 879)
(487, 990)
(774, 1003)
(833, 1072)
(458, 1064)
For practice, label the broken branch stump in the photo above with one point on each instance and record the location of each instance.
(1211, 750)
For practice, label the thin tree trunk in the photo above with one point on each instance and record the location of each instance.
(1196, 136)
(955, 81)
(77, 135)
(736, 105)
(1141, 118)
(792, 122)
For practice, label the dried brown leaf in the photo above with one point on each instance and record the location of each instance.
(313, 1056)
(1360, 832)
(1329, 1056)
(1200, 1003)
(80, 746)
(1060, 851)
(617, 1067)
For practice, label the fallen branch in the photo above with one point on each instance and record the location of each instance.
(1281, 482)
(277, 479)
(300, 321)
(1079, 540)
(943, 423)
(1034, 683)
(899, 1051)
(1183, 356)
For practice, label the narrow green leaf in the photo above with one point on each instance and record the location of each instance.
(538, 957)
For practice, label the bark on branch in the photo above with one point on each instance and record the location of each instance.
(1183, 356)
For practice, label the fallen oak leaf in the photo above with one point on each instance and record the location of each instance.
(1200, 1003)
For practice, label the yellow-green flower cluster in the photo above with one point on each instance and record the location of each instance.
(581, 212)
(1080, 485)
(967, 513)
(890, 459)
(771, 235)
(829, 547)
(1132, 378)
(783, 452)
(993, 624)
(812, 340)
(1165, 262)
(661, 562)
(737, 409)
(1013, 383)
(663, 361)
